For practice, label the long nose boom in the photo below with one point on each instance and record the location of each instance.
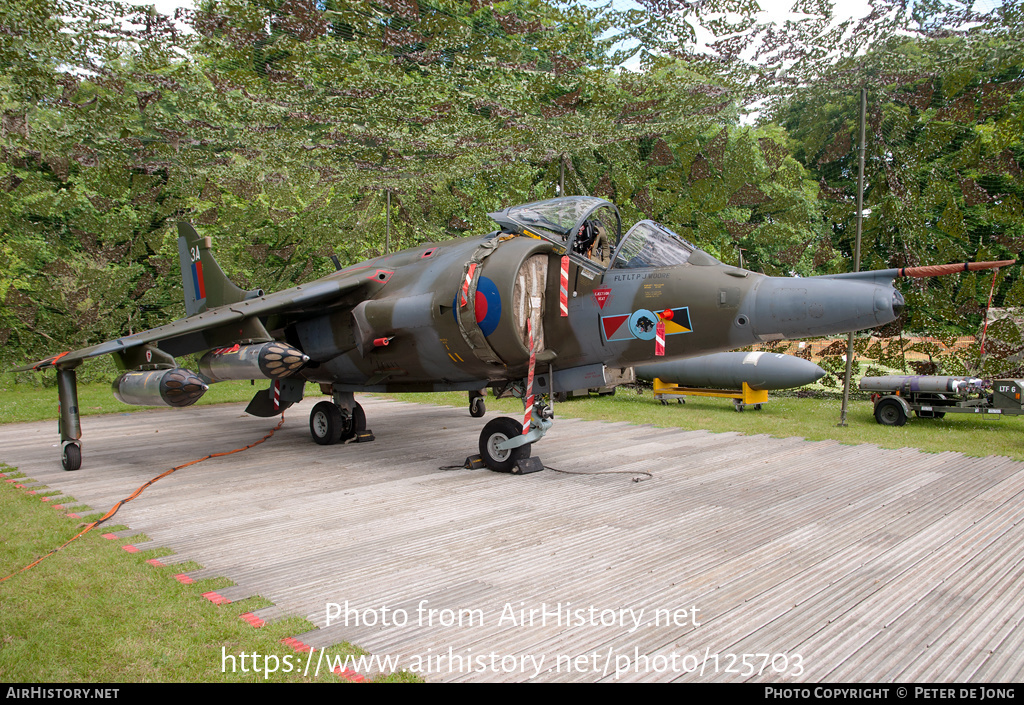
(838, 303)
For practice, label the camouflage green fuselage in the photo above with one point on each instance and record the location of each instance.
(444, 333)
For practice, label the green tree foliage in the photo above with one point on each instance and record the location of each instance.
(943, 165)
(280, 126)
(277, 126)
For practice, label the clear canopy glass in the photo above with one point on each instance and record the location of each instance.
(649, 244)
(586, 226)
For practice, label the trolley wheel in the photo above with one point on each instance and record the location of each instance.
(889, 412)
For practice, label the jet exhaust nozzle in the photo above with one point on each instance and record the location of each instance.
(273, 360)
(176, 387)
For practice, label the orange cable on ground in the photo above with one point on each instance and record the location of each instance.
(136, 493)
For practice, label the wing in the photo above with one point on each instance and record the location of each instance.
(237, 319)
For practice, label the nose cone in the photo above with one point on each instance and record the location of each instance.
(802, 307)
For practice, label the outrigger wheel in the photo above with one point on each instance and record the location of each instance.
(496, 432)
(71, 456)
(477, 407)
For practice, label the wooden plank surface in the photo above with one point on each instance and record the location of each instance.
(840, 563)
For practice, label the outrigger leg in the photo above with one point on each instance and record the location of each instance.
(70, 423)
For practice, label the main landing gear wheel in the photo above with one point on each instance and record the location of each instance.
(326, 423)
(889, 412)
(71, 456)
(498, 431)
(477, 408)
(354, 425)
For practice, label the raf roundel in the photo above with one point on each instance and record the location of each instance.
(487, 304)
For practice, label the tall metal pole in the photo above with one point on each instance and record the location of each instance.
(856, 252)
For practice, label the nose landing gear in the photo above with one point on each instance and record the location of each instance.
(503, 443)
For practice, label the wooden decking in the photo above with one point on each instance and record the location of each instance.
(844, 563)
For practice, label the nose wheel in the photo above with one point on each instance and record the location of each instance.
(497, 432)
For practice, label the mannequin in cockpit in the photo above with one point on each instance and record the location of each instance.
(592, 242)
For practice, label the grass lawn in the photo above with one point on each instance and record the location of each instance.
(95, 613)
(813, 418)
(21, 402)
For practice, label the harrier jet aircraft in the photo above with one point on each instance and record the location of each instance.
(555, 299)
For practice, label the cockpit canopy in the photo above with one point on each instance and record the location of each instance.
(586, 226)
(591, 229)
(649, 244)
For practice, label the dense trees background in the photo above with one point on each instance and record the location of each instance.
(279, 126)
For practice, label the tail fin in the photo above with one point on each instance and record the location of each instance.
(206, 286)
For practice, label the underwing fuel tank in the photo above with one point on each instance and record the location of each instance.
(177, 387)
(273, 360)
(762, 371)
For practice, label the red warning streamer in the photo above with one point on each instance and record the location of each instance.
(659, 338)
(563, 287)
(464, 299)
(529, 381)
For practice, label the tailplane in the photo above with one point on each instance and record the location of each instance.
(206, 286)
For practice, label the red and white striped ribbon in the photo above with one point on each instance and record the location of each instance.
(529, 381)
(563, 287)
(275, 394)
(464, 299)
(984, 330)
(659, 338)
